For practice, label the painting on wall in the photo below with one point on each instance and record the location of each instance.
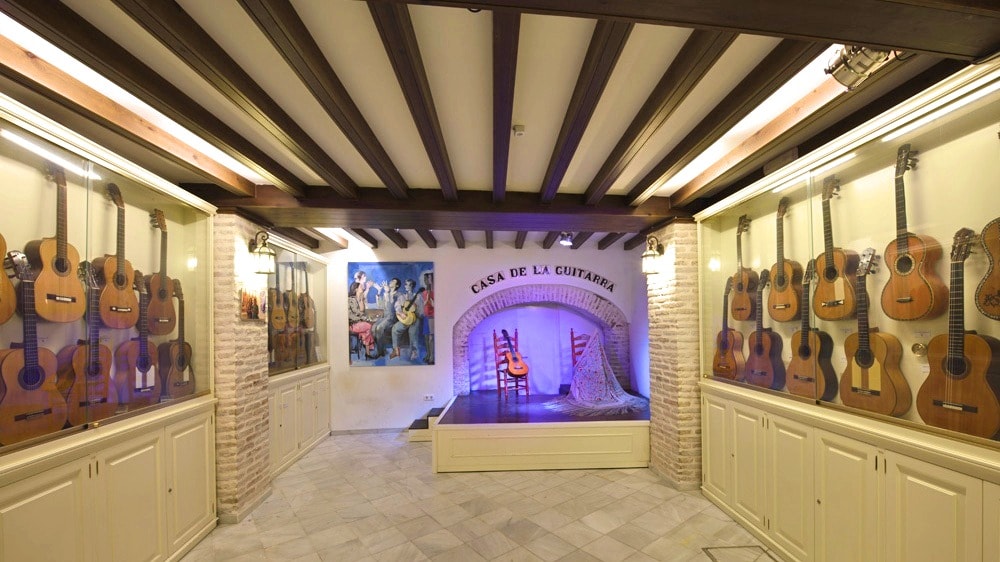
(390, 313)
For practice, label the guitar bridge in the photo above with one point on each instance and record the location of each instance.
(803, 379)
(904, 299)
(86, 403)
(780, 306)
(833, 303)
(125, 309)
(59, 298)
(866, 391)
(954, 406)
(32, 415)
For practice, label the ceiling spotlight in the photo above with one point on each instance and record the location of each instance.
(855, 64)
(565, 239)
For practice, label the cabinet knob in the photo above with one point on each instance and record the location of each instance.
(818, 502)
(170, 490)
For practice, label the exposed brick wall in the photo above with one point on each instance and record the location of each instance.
(674, 348)
(241, 432)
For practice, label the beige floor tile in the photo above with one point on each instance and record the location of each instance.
(437, 542)
(492, 545)
(577, 534)
(549, 547)
(463, 553)
(608, 549)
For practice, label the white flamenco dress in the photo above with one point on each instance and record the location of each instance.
(594, 390)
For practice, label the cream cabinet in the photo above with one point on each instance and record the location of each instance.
(789, 485)
(991, 521)
(716, 463)
(190, 475)
(283, 415)
(748, 463)
(847, 503)
(300, 415)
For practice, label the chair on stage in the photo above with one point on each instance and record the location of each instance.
(505, 380)
(577, 344)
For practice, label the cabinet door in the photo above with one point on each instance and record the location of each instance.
(790, 486)
(748, 463)
(715, 448)
(287, 413)
(846, 499)
(190, 478)
(322, 406)
(991, 521)
(932, 513)
(45, 517)
(307, 414)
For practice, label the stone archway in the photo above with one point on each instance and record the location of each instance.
(608, 316)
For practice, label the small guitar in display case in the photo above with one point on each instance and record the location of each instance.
(306, 304)
(960, 393)
(810, 373)
(119, 308)
(988, 292)
(516, 367)
(162, 316)
(786, 277)
(914, 291)
(175, 357)
(764, 365)
(872, 380)
(728, 361)
(31, 405)
(8, 297)
(745, 280)
(834, 297)
(137, 372)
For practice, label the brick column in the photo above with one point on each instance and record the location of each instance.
(675, 408)
(242, 446)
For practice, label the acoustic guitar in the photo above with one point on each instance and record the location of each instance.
(137, 371)
(31, 405)
(810, 373)
(119, 308)
(728, 361)
(834, 298)
(988, 292)
(764, 365)
(84, 375)
(408, 312)
(291, 302)
(872, 380)
(175, 357)
(786, 277)
(59, 296)
(914, 291)
(162, 316)
(960, 393)
(744, 280)
(516, 367)
(307, 305)
(8, 297)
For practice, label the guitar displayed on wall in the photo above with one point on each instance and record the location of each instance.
(914, 291)
(960, 393)
(84, 375)
(175, 357)
(119, 308)
(834, 297)
(764, 365)
(745, 280)
(408, 312)
(307, 305)
(810, 373)
(31, 405)
(872, 380)
(59, 296)
(137, 371)
(988, 292)
(516, 367)
(728, 361)
(162, 316)
(8, 297)
(786, 277)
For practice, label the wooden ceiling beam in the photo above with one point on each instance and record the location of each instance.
(522, 235)
(609, 239)
(459, 238)
(701, 50)
(428, 237)
(180, 33)
(506, 33)
(635, 241)
(550, 239)
(580, 239)
(605, 47)
(400, 41)
(366, 236)
(395, 237)
(489, 239)
(279, 22)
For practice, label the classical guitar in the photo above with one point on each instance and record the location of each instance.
(960, 393)
(914, 291)
(59, 296)
(516, 367)
(84, 375)
(8, 298)
(408, 312)
(764, 365)
(307, 305)
(137, 371)
(810, 372)
(162, 317)
(175, 357)
(276, 310)
(988, 292)
(834, 297)
(728, 361)
(31, 405)
(745, 280)
(119, 308)
(786, 277)
(872, 380)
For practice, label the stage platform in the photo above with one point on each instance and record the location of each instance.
(481, 431)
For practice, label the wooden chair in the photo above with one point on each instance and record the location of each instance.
(577, 344)
(506, 381)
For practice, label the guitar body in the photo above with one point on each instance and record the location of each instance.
(988, 292)
(764, 366)
(119, 307)
(89, 396)
(59, 295)
(810, 373)
(728, 361)
(161, 314)
(834, 297)
(277, 310)
(8, 298)
(914, 291)
(137, 378)
(292, 312)
(875, 384)
(308, 306)
(516, 367)
(786, 290)
(31, 405)
(175, 367)
(976, 388)
(744, 302)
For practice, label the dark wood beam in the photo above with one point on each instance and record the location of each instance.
(428, 237)
(279, 22)
(489, 239)
(550, 239)
(606, 45)
(962, 30)
(701, 50)
(364, 235)
(181, 34)
(297, 235)
(580, 239)
(396, 29)
(395, 237)
(459, 238)
(522, 235)
(506, 32)
(609, 239)
(635, 241)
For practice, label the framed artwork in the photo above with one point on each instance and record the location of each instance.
(390, 313)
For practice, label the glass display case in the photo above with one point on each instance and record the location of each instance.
(297, 309)
(867, 274)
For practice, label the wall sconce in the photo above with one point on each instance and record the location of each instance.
(263, 255)
(855, 64)
(651, 257)
(565, 239)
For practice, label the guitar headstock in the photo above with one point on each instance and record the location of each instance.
(744, 225)
(115, 195)
(177, 290)
(729, 286)
(810, 271)
(139, 283)
(905, 160)
(157, 220)
(765, 278)
(961, 246)
(18, 262)
(868, 263)
(831, 185)
(86, 274)
(782, 207)
(55, 173)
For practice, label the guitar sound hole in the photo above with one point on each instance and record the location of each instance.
(119, 280)
(804, 351)
(739, 287)
(61, 265)
(830, 273)
(31, 378)
(162, 294)
(779, 281)
(759, 349)
(142, 363)
(956, 366)
(181, 362)
(904, 264)
(864, 358)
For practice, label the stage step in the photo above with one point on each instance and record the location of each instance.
(420, 429)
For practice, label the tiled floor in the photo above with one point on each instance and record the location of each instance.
(373, 497)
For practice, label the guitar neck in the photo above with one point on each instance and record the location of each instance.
(120, 248)
(739, 253)
(141, 324)
(61, 230)
(180, 321)
(780, 230)
(827, 229)
(93, 330)
(861, 292)
(163, 256)
(901, 229)
(725, 312)
(804, 306)
(956, 312)
(29, 325)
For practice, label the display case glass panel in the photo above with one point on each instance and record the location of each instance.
(297, 293)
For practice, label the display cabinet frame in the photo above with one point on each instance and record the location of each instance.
(298, 293)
